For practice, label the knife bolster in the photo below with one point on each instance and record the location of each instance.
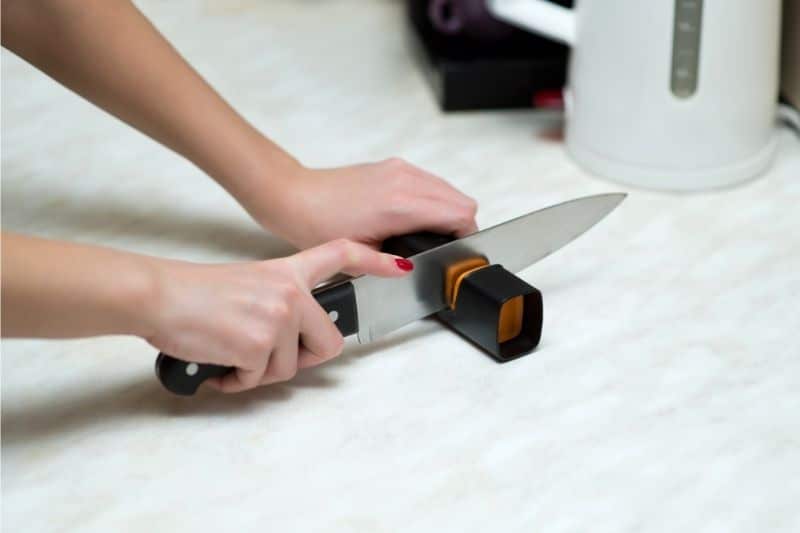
(497, 311)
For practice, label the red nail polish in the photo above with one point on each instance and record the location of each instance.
(404, 264)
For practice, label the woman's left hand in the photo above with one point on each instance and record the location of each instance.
(366, 203)
(136, 75)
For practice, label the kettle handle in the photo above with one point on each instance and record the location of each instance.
(539, 16)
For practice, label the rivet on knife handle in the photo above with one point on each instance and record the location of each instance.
(184, 377)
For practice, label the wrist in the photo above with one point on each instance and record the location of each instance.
(263, 179)
(141, 296)
(274, 192)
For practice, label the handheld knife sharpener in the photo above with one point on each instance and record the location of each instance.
(487, 305)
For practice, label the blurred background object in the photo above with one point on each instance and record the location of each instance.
(790, 82)
(474, 61)
(666, 94)
(467, 17)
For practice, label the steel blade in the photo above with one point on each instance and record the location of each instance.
(385, 304)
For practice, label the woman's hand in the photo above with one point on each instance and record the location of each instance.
(366, 203)
(258, 317)
(136, 75)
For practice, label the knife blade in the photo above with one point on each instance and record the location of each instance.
(422, 292)
(358, 306)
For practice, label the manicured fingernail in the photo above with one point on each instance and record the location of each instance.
(404, 264)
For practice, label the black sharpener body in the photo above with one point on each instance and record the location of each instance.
(479, 311)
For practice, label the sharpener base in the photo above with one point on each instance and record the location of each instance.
(498, 312)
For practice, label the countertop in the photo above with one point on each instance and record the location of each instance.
(665, 394)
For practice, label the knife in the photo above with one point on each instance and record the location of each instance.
(357, 306)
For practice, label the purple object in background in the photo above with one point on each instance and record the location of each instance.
(467, 17)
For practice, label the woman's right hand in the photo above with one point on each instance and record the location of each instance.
(260, 317)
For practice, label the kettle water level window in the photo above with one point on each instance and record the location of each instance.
(686, 47)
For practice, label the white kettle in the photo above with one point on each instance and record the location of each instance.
(666, 94)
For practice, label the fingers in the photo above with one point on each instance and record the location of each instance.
(318, 334)
(239, 380)
(442, 215)
(467, 229)
(435, 205)
(279, 365)
(308, 359)
(283, 360)
(416, 214)
(434, 186)
(321, 262)
(253, 354)
(440, 189)
(306, 338)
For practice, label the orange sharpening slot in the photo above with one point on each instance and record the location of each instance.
(455, 273)
(510, 322)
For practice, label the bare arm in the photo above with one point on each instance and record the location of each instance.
(251, 316)
(60, 289)
(109, 53)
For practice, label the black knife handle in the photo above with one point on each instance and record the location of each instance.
(414, 243)
(183, 377)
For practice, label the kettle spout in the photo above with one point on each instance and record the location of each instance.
(538, 16)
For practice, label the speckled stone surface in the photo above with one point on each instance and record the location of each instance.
(664, 397)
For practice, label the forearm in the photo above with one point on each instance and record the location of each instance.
(58, 289)
(108, 52)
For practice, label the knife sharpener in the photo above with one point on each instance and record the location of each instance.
(488, 305)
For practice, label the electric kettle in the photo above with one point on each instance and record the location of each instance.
(665, 94)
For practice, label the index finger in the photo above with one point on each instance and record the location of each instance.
(324, 261)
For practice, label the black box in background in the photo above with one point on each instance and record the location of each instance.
(467, 74)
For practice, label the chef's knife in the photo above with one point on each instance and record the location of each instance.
(358, 306)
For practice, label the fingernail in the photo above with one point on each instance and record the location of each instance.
(404, 264)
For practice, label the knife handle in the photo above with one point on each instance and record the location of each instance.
(414, 243)
(183, 377)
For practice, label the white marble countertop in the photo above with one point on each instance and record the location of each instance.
(665, 395)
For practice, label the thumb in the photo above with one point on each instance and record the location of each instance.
(324, 261)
